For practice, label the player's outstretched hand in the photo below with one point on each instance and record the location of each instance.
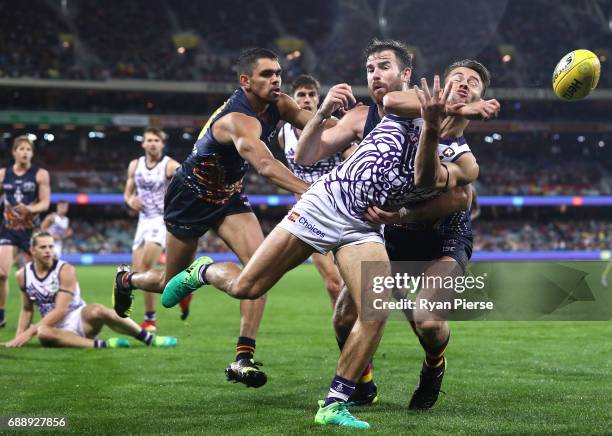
(433, 105)
(19, 340)
(339, 97)
(376, 215)
(477, 110)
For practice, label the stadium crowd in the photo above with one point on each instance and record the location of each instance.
(190, 40)
(515, 164)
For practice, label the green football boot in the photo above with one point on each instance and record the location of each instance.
(337, 414)
(117, 343)
(184, 283)
(164, 342)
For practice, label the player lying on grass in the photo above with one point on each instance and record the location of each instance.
(66, 321)
(395, 165)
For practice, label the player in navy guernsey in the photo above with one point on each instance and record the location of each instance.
(27, 192)
(388, 66)
(207, 191)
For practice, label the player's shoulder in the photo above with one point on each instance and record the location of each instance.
(133, 165)
(66, 270)
(42, 174)
(238, 121)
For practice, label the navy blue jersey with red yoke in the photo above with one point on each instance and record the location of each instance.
(372, 120)
(208, 186)
(215, 172)
(21, 189)
(16, 227)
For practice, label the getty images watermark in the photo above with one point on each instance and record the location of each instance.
(404, 284)
(511, 291)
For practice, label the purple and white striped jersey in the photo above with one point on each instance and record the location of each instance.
(381, 170)
(151, 186)
(308, 173)
(42, 290)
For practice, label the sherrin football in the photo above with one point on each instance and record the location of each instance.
(576, 75)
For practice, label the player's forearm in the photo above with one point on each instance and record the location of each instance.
(308, 149)
(53, 317)
(278, 174)
(39, 206)
(25, 319)
(447, 203)
(404, 104)
(427, 168)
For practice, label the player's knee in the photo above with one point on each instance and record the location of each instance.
(99, 312)
(3, 276)
(246, 289)
(372, 328)
(429, 327)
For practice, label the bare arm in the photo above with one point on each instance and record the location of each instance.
(404, 104)
(429, 172)
(447, 203)
(475, 206)
(171, 168)
(27, 308)
(2, 173)
(244, 132)
(324, 136)
(44, 193)
(129, 193)
(291, 112)
(44, 226)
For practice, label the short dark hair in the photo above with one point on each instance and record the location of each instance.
(305, 80)
(480, 69)
(157, 132)
(248, 59)
(402, 53)
(38, 234)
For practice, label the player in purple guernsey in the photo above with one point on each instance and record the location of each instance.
(50, 285)
(388, 66)
(322, 221)
(305, 91)
(147, 179)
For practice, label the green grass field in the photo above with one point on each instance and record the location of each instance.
(511, 378)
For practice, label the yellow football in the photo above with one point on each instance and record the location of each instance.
(576, 75)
